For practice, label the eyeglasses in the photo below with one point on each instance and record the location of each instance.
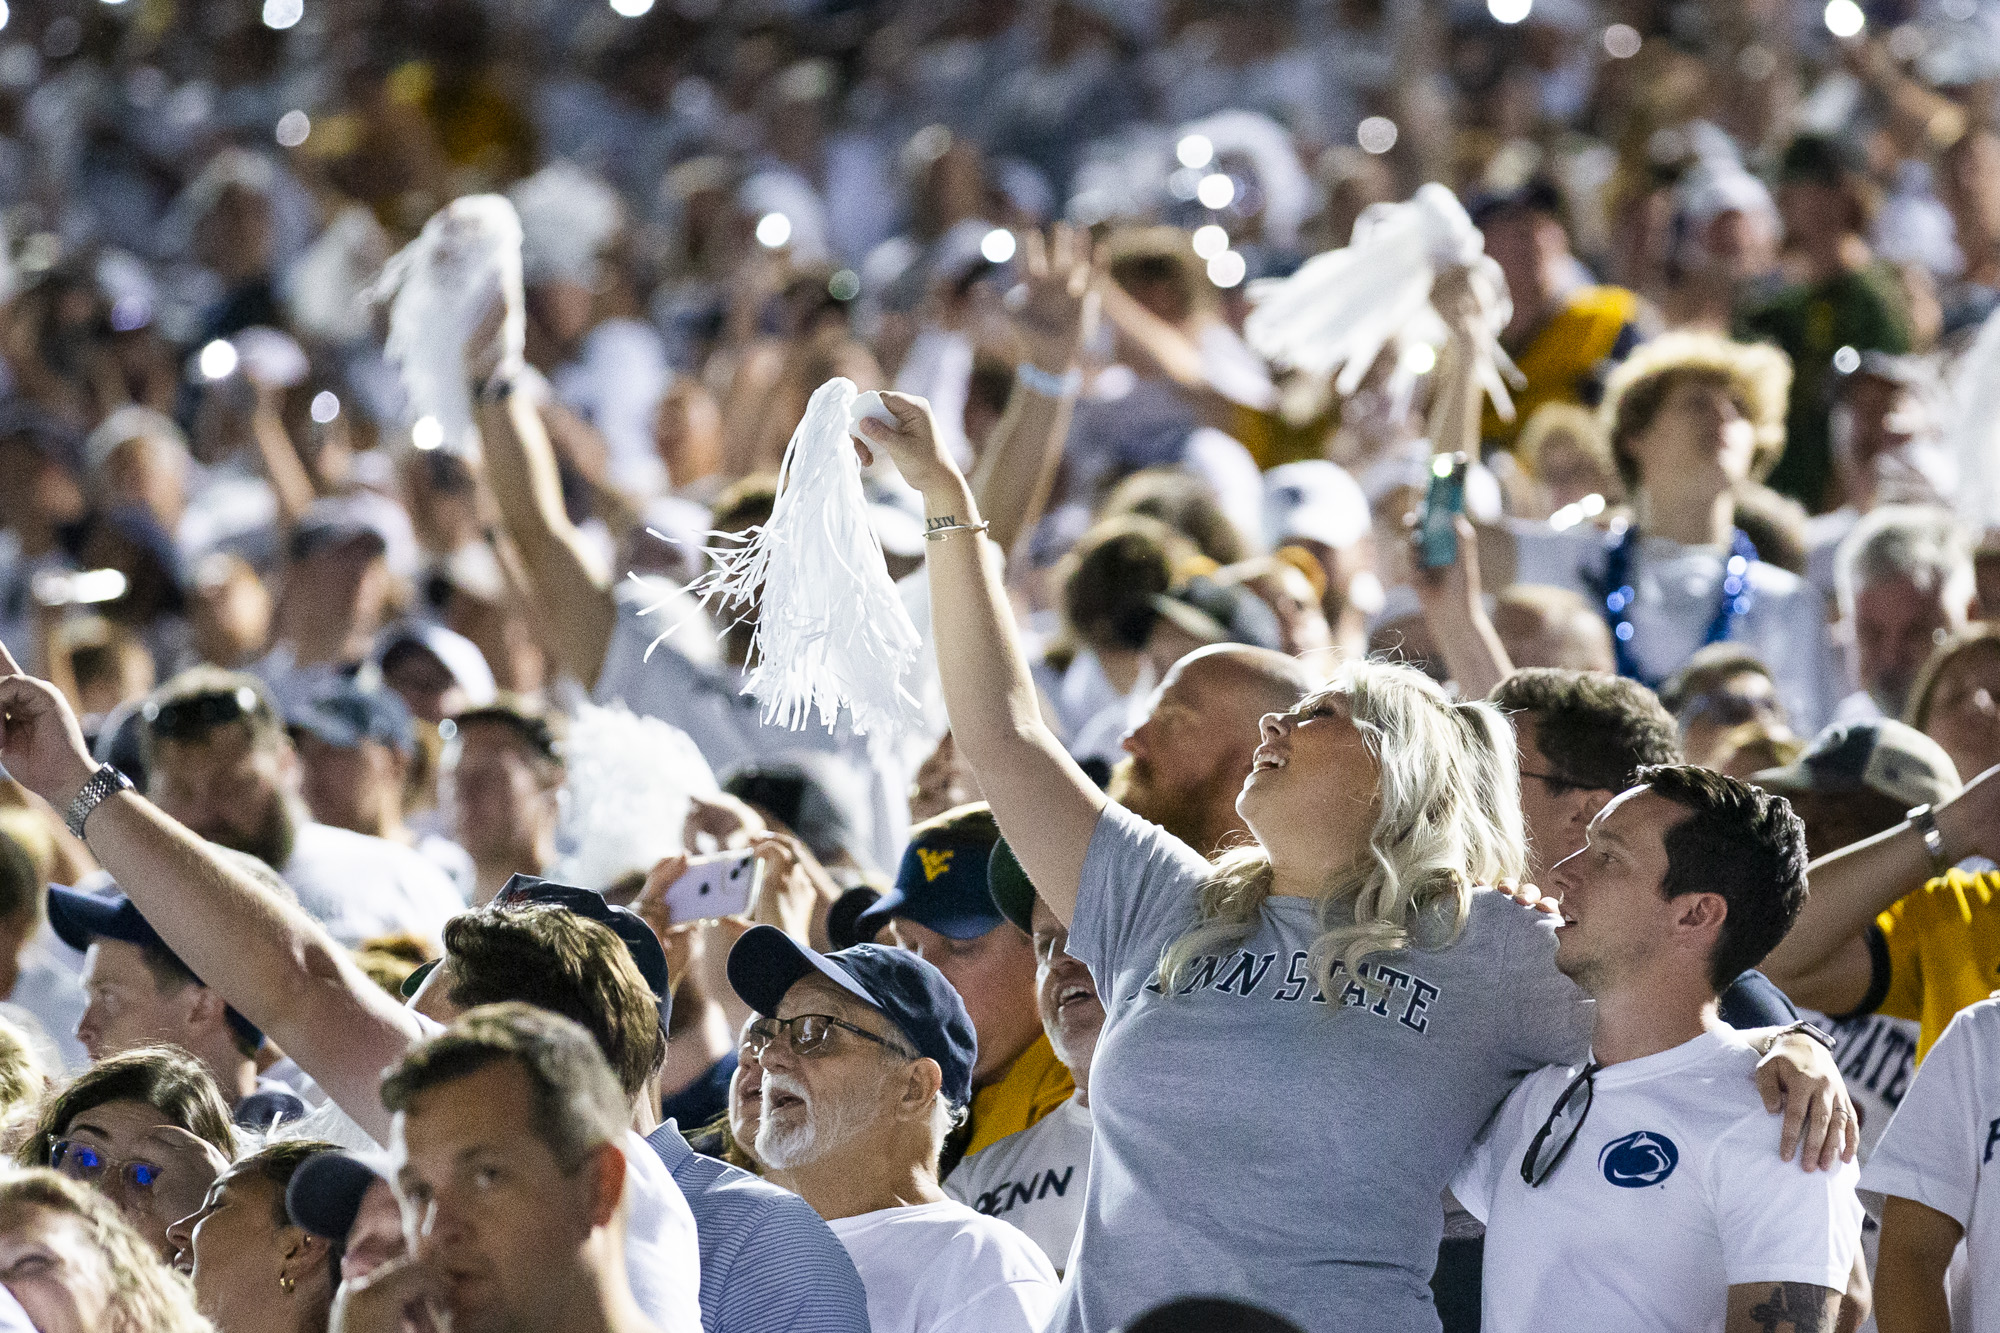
(807, 1034)
(191, 719)
(1729, 708)
(80, 1161)
(1553, 1140)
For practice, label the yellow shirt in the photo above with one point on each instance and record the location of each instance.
(1943, 951)
(1034, 1085)
(1561, 360)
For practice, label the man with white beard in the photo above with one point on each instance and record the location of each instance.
(867, 1059)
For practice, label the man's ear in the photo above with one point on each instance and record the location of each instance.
(1700, 913)
(606, 1167)
(920, 1087)
(205, 1008)
(1591, 802)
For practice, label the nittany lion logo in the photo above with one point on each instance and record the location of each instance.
(1638, 1160)
(935, 862)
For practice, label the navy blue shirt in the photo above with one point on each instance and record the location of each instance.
(767, 1260)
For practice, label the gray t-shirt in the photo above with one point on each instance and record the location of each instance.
(1260, 1140)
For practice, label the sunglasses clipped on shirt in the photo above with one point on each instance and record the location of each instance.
(1554, 1139)
(807, 1034)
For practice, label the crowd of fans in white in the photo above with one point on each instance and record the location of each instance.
(1465, 800)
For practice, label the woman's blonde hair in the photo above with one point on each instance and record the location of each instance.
(1571, 419)
(145, 1296)
(1448, 799)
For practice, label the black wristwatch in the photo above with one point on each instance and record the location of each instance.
(106, 781)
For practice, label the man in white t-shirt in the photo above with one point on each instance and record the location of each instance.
(508, 1147)
(1936, 1172)
(219, 761)
(867, 1059)
(1646, 1190)
(1034, 1179)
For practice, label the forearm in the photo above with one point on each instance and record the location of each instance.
(1782, 1307)
(521, 470)
(282, 465)
(264, 955)
(1917, 1245)
(1044, 803)
(1017, 467)
(1848, 889)
(1471, 648)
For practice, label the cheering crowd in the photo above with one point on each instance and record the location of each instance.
(1443, 774)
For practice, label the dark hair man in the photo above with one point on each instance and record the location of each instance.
(506, 1148)
(1033, 1179)
(940, 910)
(1683, 882)
(140, 994)
(219, 761)
(765, 1260)
(867, 1058)
(503, 770)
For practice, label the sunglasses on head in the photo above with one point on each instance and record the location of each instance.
(193, 718)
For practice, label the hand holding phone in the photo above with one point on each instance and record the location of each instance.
(1444, 501)
(721, 885)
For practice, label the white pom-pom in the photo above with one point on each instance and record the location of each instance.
(869, 407)
(629, 780)
(1342, 308)
(831, 629)
(440, 287)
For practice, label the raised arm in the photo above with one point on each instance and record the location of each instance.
(521, 471)
(1017, 466)
(1825, 962)
(1045, 804)
(265, 956)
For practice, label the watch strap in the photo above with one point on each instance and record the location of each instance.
(1805, 1029)
(105, 782)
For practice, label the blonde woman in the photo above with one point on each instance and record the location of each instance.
(1301, 1041)
(76, 1266)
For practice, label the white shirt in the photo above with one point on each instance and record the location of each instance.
(1677, 590)
(942, 1268)
(47, 991)
(1942, 1150)
(360, 887)
(1672, 1193)
(1033, 1180)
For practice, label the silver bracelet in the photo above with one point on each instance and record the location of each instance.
(1924, 819)
(938, 534)
(105, 782)
(1036, 380)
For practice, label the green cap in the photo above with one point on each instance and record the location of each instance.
(1008, 883)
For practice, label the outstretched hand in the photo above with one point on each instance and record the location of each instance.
(1056, 307)
(41, 744)
(912, 444)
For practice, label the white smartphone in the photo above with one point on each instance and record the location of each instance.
(720, 885)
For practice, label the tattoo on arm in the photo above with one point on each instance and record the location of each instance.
(941, 521)
(1794, 1307)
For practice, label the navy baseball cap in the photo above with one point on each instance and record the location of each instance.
(347, 715)
(942, 880)
(324, 1194)
(77, 918)
(909, 992)
(627, 925)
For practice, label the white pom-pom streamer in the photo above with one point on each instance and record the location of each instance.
(831, 628)
(1341, 308)
(629, 781)
(440, 287)
(1972, 433)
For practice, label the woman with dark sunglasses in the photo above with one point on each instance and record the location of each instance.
(147, 1128)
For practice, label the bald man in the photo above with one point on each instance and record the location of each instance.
(1187, 760)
